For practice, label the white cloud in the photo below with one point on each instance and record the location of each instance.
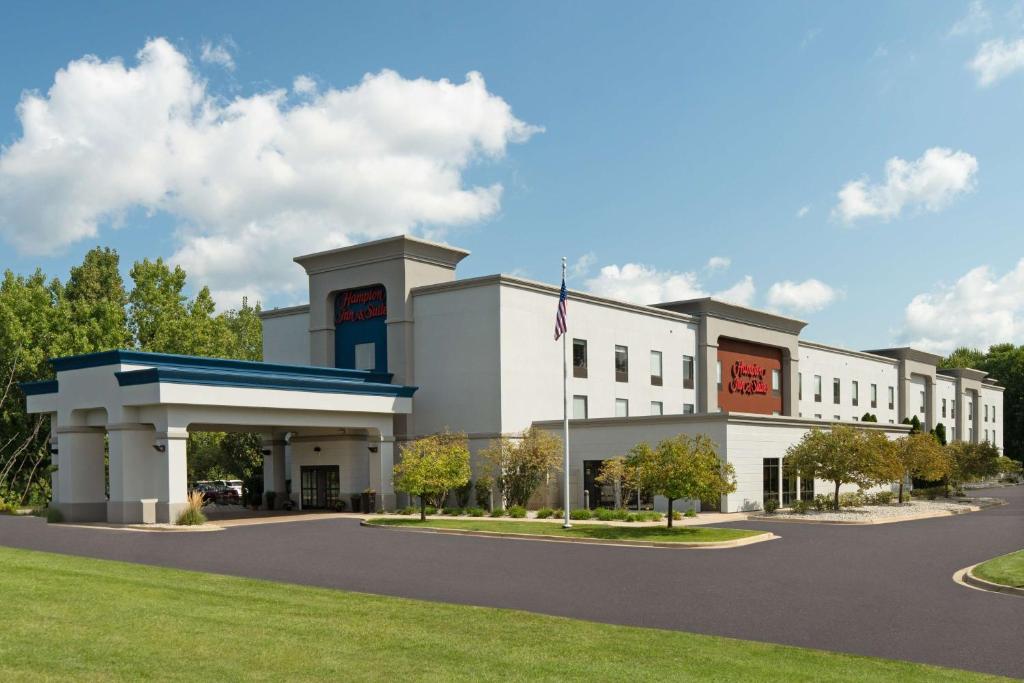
(803, 211)
(931, 182)
(741, 293)
(979, 309)
(719, 263)
(997, 59)
(252, 181)
(304, 85)
(643, 284)
(804, 297)
(219, 53)
(976, 20)
(581, 266)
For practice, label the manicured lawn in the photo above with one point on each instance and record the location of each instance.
(83, 619)
(1007, 570)
(658, 534)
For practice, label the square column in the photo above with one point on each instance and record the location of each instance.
(170, 475)
(382, 465)
(274, 474)
(132, 460)
(81, 485)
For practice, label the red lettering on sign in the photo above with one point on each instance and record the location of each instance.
(360, 304)
(748, 378)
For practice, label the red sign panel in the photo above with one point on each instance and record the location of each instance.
(360, 304)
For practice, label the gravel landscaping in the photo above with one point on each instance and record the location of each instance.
(888, 513)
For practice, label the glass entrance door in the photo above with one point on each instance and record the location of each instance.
(320, 487)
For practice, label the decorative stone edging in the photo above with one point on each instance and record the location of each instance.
(809, 519)
(679, 545)
(966, 576)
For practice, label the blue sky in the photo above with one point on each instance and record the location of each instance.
(638, 140)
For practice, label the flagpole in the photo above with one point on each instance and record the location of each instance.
(566, 523)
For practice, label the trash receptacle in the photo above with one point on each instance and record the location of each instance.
(148, 506)
(356, 500)
(369, 501)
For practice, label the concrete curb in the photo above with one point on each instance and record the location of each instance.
(967, 578)
(147, 529)
(678, 545)
(808, 519)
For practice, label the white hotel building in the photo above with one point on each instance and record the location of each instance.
(392, 346)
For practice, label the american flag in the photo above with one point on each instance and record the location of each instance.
(560, 317)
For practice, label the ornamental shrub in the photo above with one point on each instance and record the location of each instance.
(454, 512)
(690, 513)
(430, 510)
(579, 513)
(407, 510)
(604, 514)
(801, 507)
(497, 512)
(544, 513)
(517, 512)
(192, 515)
(476, 512)
(771, 505)
(852, 500)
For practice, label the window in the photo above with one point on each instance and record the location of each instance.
(621, 364)
(943, 407)
(817, 416)
(874, 395)
(621, 407)
(952, 409)
(800, 386)
(986, 412)
(993, 436)
(657, 408)
(835, 390)
(656, 368)
(579, 357)
(688, 372)
(579, 407)
(836, 418)
(856, 419)
(366, 356)
(770, 467)
(718, 370)
(922, 411)
(855, 393)
(892, 398)
(817, 388)
(687, 409)
(970, 410)
(986, 435)
(776, 382)
(993, 415)
(970, 433)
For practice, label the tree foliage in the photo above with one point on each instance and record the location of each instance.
(621, 474)
(524, 462)
(682, 467)
(971, 462)
(841, 455)
(42, 318)
(913, 456)
(432, 466)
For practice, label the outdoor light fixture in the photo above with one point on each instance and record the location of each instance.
(374, 449)
(265, 451)
(159, 447)
(53, 450)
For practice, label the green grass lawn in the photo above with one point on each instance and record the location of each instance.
(1007, 570)
(659, 534)
(83, 619)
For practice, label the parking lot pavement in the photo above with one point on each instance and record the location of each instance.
(881, 590)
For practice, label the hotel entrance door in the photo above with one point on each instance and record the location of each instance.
(320, 487)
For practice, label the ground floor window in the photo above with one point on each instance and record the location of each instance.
(806, 488)
(603, 495)
(789, 493)
(320, 487)
(771, 479)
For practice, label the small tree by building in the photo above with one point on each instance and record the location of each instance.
(915, 425)
(523, 463)
(912, 456)
(869, 417)
(432, 466)
(683, 467)
(841, 455)
(940, 433)
(622, 475)
(970, 462)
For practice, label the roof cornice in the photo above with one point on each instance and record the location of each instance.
(848, 352)
(391, 248)
(724, 310)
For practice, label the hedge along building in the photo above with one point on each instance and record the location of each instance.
(480, 354)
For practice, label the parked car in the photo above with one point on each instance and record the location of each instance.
(236, 484)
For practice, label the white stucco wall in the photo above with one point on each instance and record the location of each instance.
(945, 390)
(993, 398)
(531, 360)
(848, 367)
(286, 337)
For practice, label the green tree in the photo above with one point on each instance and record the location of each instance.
(523, 463)
(971, 462)
(94, 302)
(940, 433)
(915, 425)
(912, 456)
(683, 467)
(963, 357)
(841, 455)
(623, 476)
(157, 311)
(433, 465)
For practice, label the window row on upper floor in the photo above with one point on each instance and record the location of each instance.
(581, 364)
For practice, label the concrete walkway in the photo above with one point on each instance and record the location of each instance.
(882, 590)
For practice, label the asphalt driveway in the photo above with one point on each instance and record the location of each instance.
(874, 590)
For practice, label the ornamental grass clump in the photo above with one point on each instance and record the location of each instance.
(193, 514)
